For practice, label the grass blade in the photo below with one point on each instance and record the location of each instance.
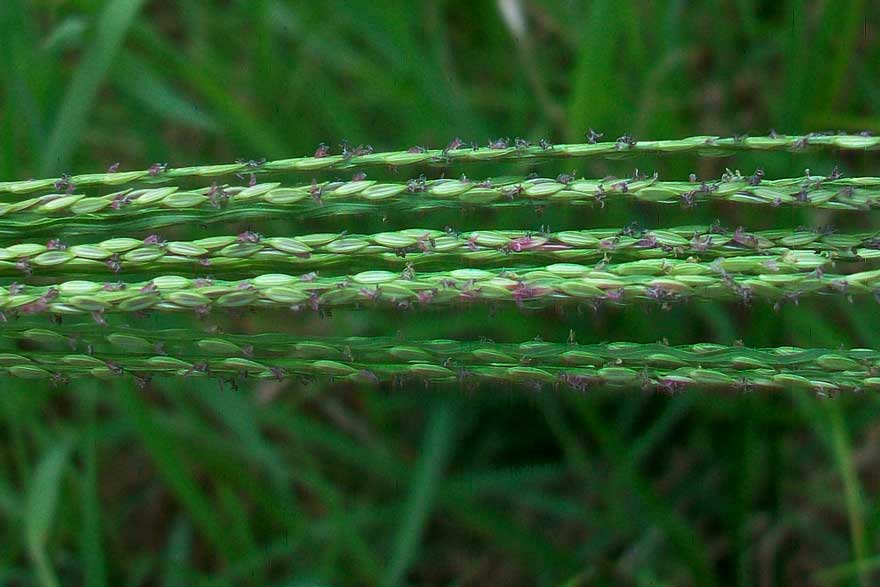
(853, 493)
(436, 451)
(137, 79)
(73, 112)
(174, 472)
(177, 555)
(42, 502)
(92, 546)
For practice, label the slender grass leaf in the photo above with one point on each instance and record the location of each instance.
(93, 556)
(436, 451)
(42, 503)
(177, 554)
(73, 112)
(172, 469)
(140, 81)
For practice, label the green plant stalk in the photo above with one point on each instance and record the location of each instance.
(426, 247)
(118, 343)
(662, 281)
(62, 367)
(701, 145)
(814, 191)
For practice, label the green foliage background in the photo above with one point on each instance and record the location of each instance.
(193, 483)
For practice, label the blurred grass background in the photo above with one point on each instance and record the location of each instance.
(191, 482)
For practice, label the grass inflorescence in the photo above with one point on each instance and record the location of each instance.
(457, 152)
(773, 250)
(413, 269)
(86, 352)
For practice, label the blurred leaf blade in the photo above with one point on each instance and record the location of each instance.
(93, 550)
(138, 80)
(73, 112)
(436, 450)
(173, 471)
(41, 507)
